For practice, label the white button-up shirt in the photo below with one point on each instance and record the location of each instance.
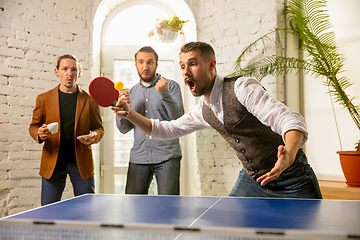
(251, 94)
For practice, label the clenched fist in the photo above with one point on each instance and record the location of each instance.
(161, 84)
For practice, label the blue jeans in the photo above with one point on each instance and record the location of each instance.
(167, 176)
(52, 188)
(297, 181)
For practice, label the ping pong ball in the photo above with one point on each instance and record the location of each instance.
(118, 86)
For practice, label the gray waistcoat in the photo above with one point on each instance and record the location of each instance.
(255, 144)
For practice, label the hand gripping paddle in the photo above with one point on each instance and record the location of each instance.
(104, 91)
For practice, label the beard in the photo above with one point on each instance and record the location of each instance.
(148, 78)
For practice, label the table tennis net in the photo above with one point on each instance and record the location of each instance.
(14, 230)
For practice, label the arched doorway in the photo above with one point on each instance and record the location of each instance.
(118, 34)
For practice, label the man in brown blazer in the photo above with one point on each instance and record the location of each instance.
(66, 151)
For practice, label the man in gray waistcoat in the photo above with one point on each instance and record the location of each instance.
(266, 135)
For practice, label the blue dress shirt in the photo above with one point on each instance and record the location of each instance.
(164, 105)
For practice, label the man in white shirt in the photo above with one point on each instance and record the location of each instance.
(266, 135)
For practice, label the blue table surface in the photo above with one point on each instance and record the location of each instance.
(198, 212)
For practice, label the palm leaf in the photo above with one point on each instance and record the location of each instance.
(309, 21)
(276, 66)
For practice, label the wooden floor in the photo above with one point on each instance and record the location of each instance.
(339, 190)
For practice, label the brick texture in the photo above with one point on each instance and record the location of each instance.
(34, 33)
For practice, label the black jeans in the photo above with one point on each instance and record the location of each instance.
(167, 176)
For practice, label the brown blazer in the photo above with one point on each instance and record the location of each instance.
(87, 118)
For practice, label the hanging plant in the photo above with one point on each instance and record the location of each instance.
(168, 29)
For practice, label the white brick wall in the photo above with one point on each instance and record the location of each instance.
(33, 33)
(229, 26)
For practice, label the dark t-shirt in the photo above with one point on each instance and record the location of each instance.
(67, 103)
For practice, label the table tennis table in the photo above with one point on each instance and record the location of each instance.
(117, 216)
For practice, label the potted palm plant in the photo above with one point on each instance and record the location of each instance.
(309, 22)
(168, 29)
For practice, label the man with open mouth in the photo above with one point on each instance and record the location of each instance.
(266, 135)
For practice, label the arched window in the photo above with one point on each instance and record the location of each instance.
(123, 30)
(131, 26)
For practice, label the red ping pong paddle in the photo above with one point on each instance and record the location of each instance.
(103, 92)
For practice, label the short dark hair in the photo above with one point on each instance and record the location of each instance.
(207, 52)
(148, 49)
(69, 56)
